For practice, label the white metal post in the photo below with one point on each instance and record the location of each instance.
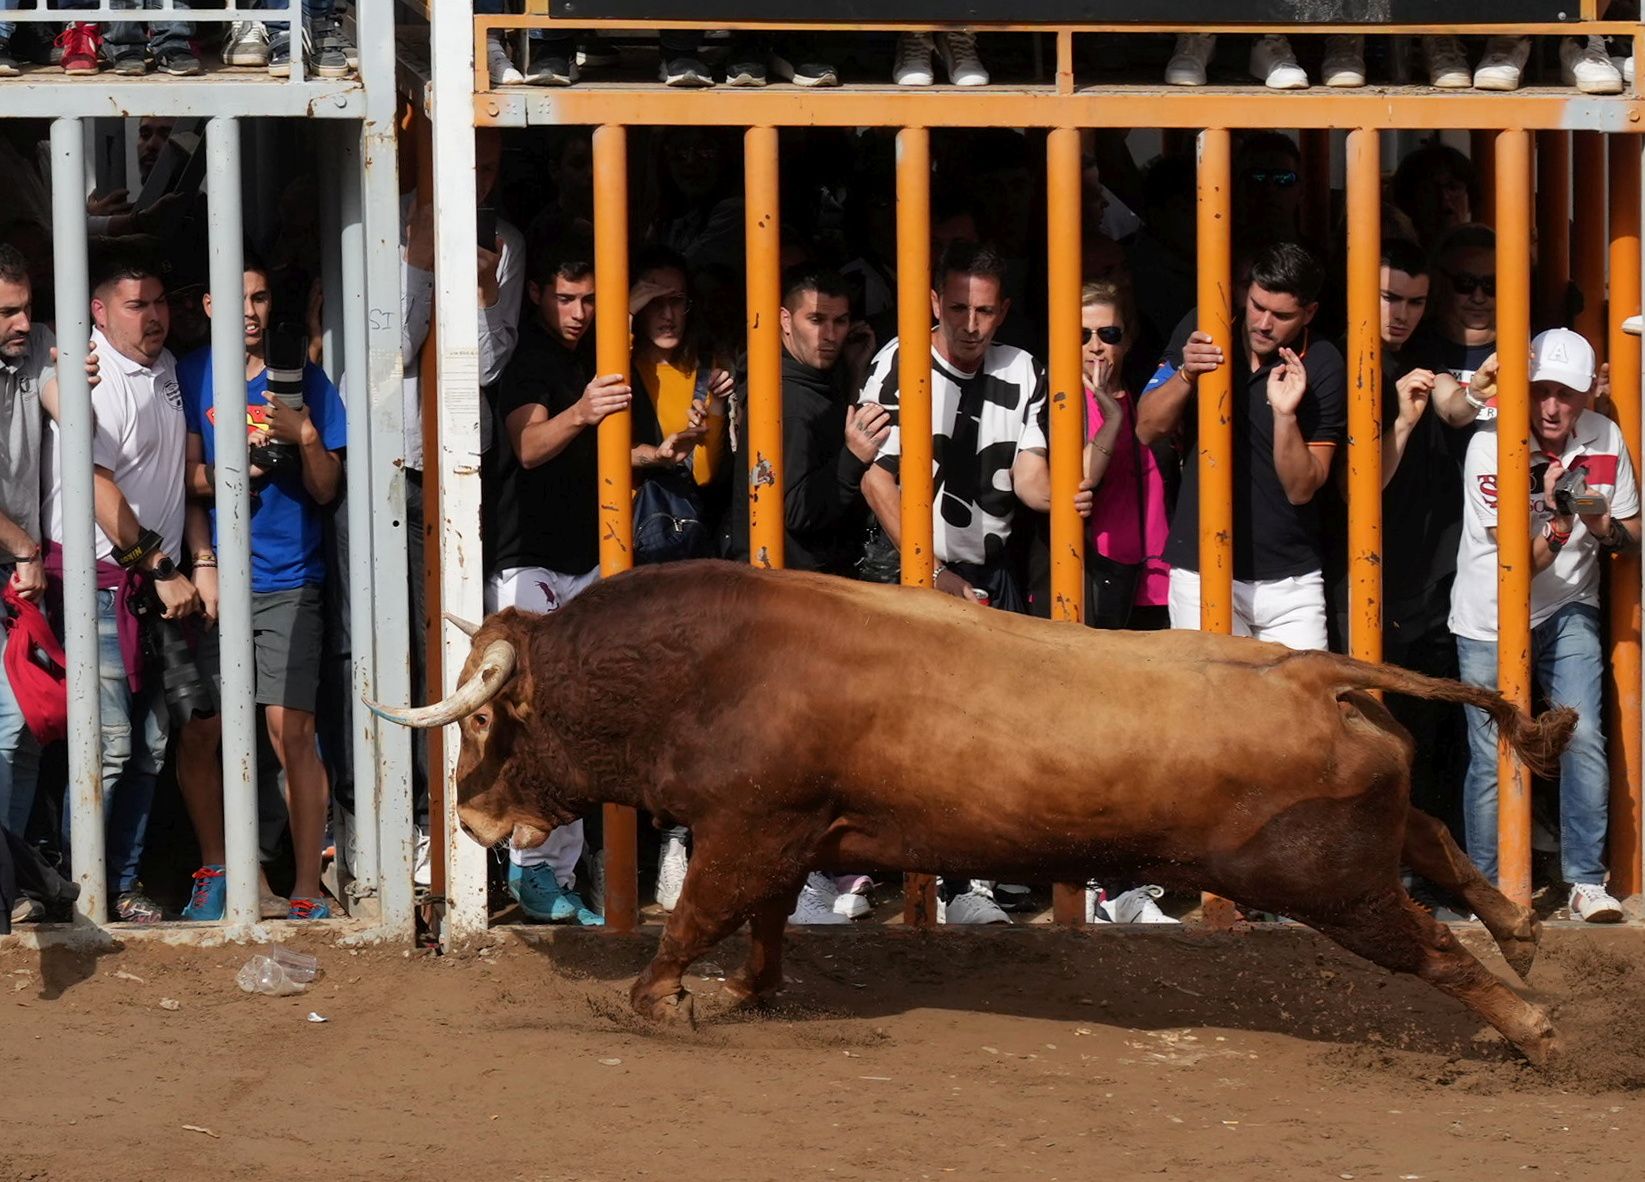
(85, 738)
(456, 315)
(233, 501)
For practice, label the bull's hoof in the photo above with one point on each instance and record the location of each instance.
(1519, 949)
(1541, 1044)
(743, 989)
(677, 1009)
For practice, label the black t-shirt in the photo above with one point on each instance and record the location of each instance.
(1273, 539)
(1429, 350)
(546, 516)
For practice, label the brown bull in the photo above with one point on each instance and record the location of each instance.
(798, 721)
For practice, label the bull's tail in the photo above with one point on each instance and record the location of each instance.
(1537, 741)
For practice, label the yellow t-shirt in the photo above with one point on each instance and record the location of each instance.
(670, 390)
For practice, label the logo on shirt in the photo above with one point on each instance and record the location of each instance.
(1487, 488)
(256, 417)
(172, 393)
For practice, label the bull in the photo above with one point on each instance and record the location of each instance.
(799, 721)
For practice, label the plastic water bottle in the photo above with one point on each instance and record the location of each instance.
(281, 973)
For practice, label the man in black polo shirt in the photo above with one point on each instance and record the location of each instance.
(1290, 414)
(540, 510)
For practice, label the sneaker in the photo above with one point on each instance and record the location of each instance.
(327, 58)
(179, 63)
(1584, 64)
(8, 64)
(1447, 64)
(1344, 63)
(210, 895)
(77, 47)
(1274, 63)
(804, 73)
(1503, 63)
(975, 905)
(851, 897)
(134, 906)
(1193, 54)
(671, 868)
(597, 51)
(246, 44)
(747, 72)
(959, 58)
(1096, 905)
(550, 70)
(422, 869)
(1012, 896)
(816, 901)
(308, 909)
(28, 910)
(544, 900)
(1138, 906)
(130, 61)
(912, 66)
(499, 64)
(1592, 903)
(685, 72)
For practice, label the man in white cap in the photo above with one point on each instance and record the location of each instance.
(1583, 502)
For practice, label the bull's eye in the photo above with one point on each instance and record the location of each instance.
(482, 720)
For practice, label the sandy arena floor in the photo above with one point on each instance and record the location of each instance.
(998, 1054)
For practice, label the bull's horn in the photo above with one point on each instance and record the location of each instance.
(466, 627)
(496, 667)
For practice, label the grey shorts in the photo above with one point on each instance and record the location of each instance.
(287, 635)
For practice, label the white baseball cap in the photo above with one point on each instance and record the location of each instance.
(1560, 355)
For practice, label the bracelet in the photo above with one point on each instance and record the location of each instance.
(205, 564)
(32, 556)
(1468, 397)
(1107, 451)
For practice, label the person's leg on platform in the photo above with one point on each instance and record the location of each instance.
(1477, 664)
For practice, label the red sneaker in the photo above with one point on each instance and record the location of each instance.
(80, 42)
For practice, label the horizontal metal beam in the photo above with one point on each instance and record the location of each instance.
(54, 95)
(891, 106)
(719, 13)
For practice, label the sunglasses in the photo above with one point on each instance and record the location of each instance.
(1465, 284)
(1282, 178)
(1108, 334)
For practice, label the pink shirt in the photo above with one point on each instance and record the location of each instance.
(1114, 516)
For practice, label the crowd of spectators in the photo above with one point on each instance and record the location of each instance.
(1145, 352)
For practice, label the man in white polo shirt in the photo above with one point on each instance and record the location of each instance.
(1573, 522)
(138, 453)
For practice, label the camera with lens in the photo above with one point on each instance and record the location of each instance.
(166, 649)
(1572, 496)
(286, 354)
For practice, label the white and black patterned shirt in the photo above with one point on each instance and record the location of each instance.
(979, 422)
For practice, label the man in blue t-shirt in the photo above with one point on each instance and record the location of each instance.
(296, 468)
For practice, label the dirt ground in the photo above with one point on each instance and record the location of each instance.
(997, 1054)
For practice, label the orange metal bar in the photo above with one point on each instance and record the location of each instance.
(1513, 311)
(616, 473)
(1553, 226)
(1588, 156)
(1482, 149)
(1067, 412)
(1365, 393)
(765, 350)
(914, 407)
(1623, 726)
(1214, 400)
(1316, 184)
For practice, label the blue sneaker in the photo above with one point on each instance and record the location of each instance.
(309, 909)
(210, 895)
(544, 900)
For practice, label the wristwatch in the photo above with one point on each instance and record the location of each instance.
(165, 569)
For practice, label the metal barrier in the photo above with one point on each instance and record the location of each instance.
(1501, 128)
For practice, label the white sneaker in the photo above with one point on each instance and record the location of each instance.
(1138, 906)
(1447, 64)
(422, 872)
(851, 900)
(974, 906)
(671, 867)
(959, 57)
(1096, 905)
(1273, 62)
(816, 901)
(1503, 63)
(246, 44)
(1584, 64)
(1344, 63)
(499, 64)
(1192, 56)
(1592, 903)
(913, 64)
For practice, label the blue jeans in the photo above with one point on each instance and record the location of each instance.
(135, 729)
(19, 754)
(1569, 665)
(7, 28)
(162, 36)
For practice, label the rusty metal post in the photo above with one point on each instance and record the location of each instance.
(1482, 151)
(1553, 226)
(1315, 143)
(1214, 406)
(1365, 393)
(1513, 210)
(765, 351)
(616, 472)
(1588, 236)
(914, 408)
(1067, 412)
(1623, 723)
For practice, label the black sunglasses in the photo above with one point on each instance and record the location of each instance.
(1466, 284)
(1280, 178)
(1108, 334)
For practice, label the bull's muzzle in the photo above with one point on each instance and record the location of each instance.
(496, 667)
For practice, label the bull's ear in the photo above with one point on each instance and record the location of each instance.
(518, 703)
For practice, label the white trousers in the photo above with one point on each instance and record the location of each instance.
(1288, 611)
(536, 589)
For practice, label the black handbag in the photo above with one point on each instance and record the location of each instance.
(1110, 586)
(669, 520)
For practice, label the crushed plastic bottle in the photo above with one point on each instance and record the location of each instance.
(299, 966)
(281, 973)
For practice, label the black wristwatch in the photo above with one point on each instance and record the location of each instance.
(165, 569)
